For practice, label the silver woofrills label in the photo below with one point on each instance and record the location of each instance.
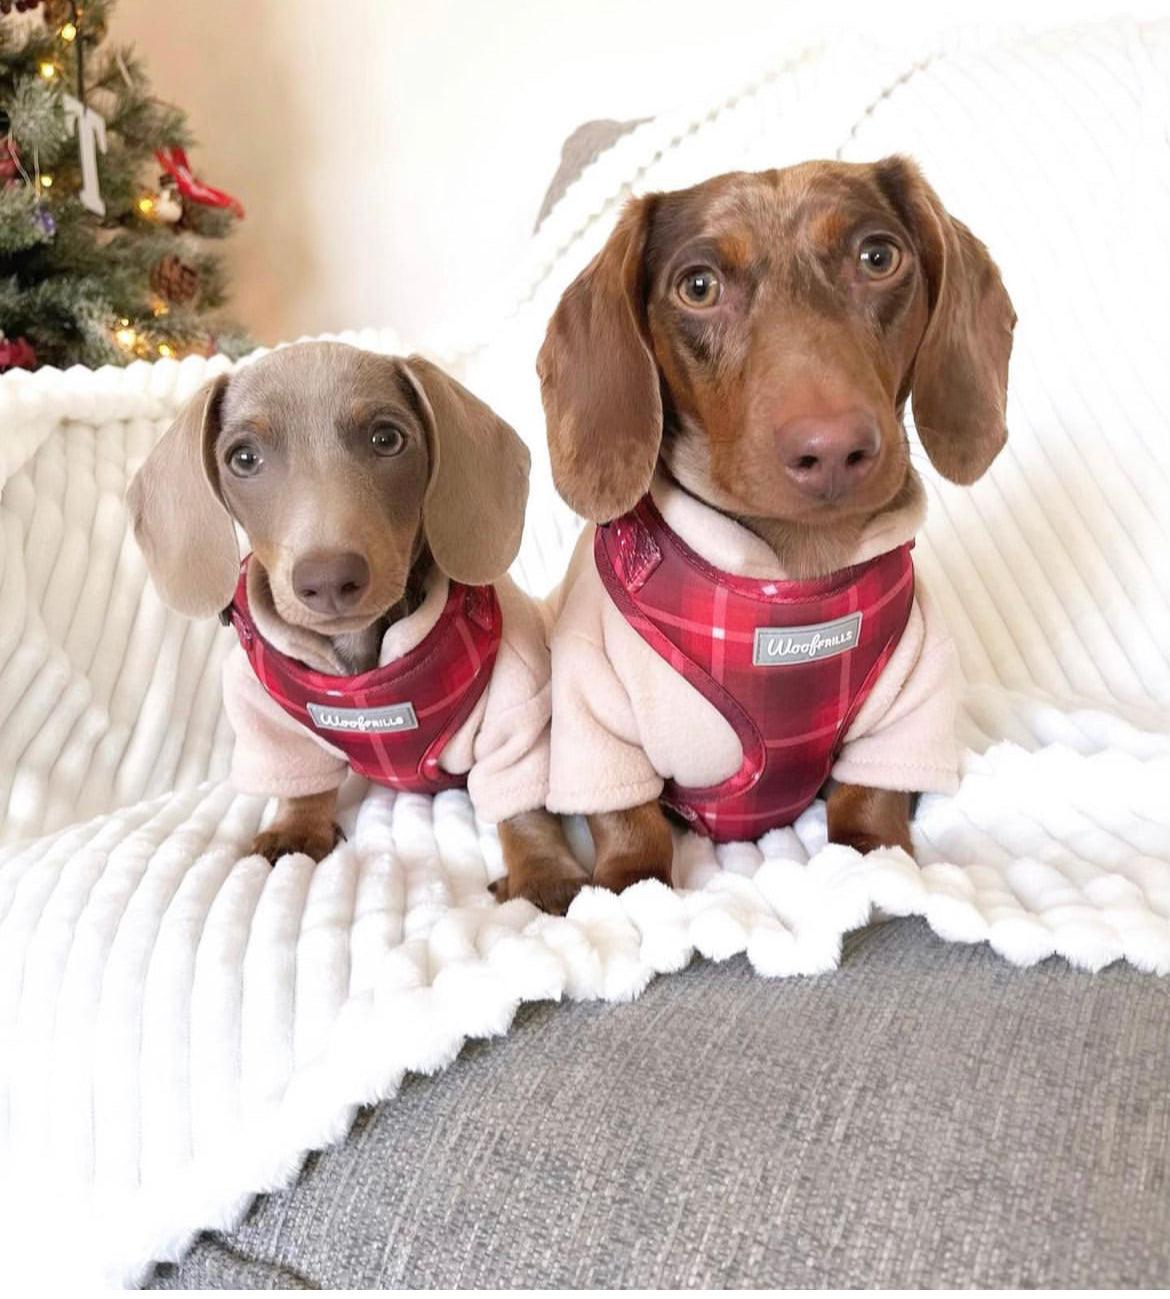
(366, 721)
(780, 646)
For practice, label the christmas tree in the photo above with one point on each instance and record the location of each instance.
(105, 232)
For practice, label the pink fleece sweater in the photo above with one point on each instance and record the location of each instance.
(503, 747)
(624, 721)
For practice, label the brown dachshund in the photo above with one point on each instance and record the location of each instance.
(359, 480)
(754, 340)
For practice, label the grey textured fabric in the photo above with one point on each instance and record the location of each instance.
(926, 1116)
(577, 152)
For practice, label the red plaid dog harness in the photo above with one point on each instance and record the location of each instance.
(393, 722)
(788, 664)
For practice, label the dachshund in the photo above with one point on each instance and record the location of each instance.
(383, 504)
(724, 387)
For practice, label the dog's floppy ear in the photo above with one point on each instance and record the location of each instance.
(599, 381)
(181, 524)
(959, 385)
(473, 512)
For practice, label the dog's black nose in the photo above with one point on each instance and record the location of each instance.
(828, 455)
(330, 583)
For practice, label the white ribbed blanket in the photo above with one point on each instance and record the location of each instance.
(179, 1025)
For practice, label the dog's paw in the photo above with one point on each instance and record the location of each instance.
(279, 841)
(552, 890)
(619, 873)
(864, 842)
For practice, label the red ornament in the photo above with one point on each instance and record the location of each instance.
(9, 161)
(173, 161)
(16, 354)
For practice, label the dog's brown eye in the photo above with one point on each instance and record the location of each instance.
(699, 287)
(244, 461)
(879, 258)
(387, 440)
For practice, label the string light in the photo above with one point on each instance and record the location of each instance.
(126, 337)
(47, 69)
(46, 182)
(68, 32)
(145, 205)
(165, 349)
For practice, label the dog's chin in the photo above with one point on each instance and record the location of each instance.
(335, 625)
(848, 509)
(769, 495)
(780, 504)
(341, 626)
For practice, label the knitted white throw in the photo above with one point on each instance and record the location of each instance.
(179, 1025)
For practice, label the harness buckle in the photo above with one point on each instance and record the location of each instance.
(477, 605)
(637, 552)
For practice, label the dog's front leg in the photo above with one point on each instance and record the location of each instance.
(865, 818)
(631, 845)
(301, 825)
(541, 865)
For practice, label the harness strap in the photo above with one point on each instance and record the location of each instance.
(393, 722)
(789, 714)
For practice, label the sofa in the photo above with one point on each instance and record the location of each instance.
(925, 1117)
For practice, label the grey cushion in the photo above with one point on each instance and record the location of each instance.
(587, 142)
(926, 1116)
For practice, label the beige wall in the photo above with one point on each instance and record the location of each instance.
(392, 155)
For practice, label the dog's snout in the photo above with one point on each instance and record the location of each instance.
(829, 455)
(330, 583)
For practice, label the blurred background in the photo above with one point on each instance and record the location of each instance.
(392, 154)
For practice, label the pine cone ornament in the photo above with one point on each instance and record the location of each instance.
(173, 279)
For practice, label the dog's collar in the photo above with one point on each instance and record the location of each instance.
(392, 722)
(787, 663)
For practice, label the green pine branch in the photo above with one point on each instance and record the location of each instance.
(37, 117)
(19, 228)
(68, 289)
